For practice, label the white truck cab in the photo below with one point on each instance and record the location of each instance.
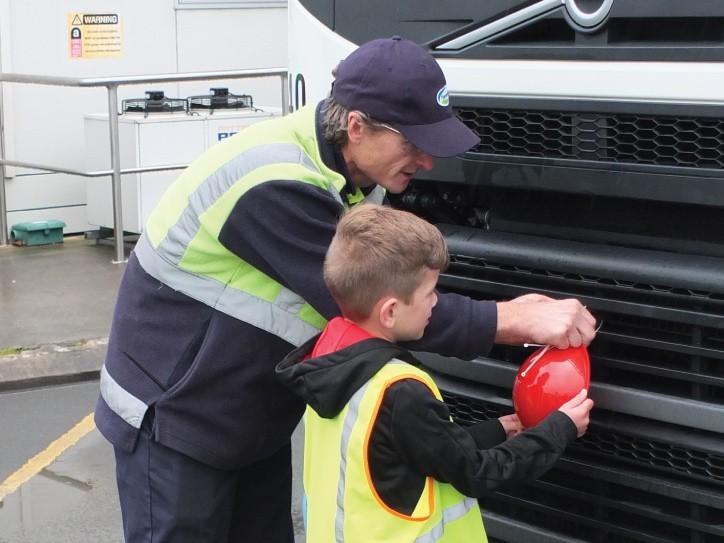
(600, 176)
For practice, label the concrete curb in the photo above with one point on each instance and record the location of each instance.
(52, 364)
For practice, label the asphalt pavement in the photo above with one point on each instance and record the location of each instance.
(56, 304)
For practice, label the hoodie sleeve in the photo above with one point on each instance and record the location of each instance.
(430, 444)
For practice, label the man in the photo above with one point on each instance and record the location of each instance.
(227, 279)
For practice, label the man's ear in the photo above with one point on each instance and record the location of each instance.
(354, 127)
(387, 312)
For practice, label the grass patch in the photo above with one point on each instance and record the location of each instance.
(11, 350)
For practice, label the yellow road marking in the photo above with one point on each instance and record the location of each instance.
(44, 458)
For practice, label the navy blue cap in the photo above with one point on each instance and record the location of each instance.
(397, 82)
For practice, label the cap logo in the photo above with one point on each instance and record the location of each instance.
(442, 97)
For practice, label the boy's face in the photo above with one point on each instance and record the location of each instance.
(411, 319)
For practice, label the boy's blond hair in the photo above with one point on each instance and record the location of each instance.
(380, 251)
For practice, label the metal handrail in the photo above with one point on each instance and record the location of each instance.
(111, 84)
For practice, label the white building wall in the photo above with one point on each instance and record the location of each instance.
(45, 124)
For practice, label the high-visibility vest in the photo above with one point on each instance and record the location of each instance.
(342, 503)
(180, 247)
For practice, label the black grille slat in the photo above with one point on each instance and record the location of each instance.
(472, 262)
(642, 368)
(643, 270)
(630, 517)
(466, 266)
(685, 142)
(633, 449)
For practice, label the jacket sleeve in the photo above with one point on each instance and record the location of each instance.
(460, 327)
(430, 444)
(284, 228)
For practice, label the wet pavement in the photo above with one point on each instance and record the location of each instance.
(73, 500)
(57, 293)
(59, 478)
(56, 305)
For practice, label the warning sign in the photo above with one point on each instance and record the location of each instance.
(95, 35)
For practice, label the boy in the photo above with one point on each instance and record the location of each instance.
(383, 461)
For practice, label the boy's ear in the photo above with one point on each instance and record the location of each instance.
(387, 312)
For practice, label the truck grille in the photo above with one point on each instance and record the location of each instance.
(693, 142)
(651, 466)
(610, 487)
(614, 446)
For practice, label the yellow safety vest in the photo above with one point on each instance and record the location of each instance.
(180, 246)
(342, 503)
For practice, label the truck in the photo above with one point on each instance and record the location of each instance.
(600, 176)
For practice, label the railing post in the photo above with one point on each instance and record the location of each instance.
(116, 177)
(286, 104)
(3, 202)
(3, 209)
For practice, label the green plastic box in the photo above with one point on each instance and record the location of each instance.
(37, 232)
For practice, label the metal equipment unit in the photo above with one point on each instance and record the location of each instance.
(155, 131)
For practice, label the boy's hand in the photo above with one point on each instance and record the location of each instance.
(578, 410)
(511, 425)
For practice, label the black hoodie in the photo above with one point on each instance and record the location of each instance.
(413, 436)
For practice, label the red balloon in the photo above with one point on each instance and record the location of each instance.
(547, 379)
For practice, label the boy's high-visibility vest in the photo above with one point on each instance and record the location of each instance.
(342, 503)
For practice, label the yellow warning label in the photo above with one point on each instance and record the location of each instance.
(95, 35)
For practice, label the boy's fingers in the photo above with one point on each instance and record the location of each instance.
(578, 399)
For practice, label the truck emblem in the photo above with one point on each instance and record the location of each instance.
(586, 20)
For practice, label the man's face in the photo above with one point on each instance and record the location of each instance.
(380, 155)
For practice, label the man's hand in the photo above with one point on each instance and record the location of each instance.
(538, 319)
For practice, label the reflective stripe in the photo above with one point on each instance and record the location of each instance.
(454, 512)
(122, 402)
(278, 318)
(178, 237)
(350, 420)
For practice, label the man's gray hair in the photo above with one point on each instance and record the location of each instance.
(334, 120)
